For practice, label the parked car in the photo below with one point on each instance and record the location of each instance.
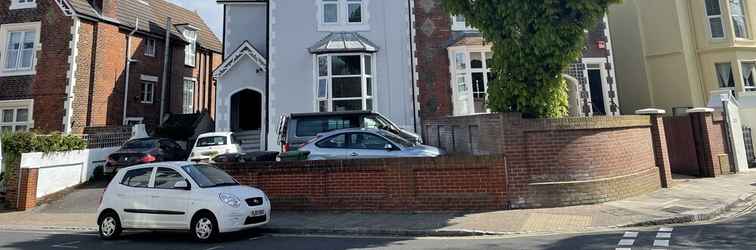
(246, 157)
(295, 130)
(185, 196)
(210, 145)
(144, 150)
(365, 143)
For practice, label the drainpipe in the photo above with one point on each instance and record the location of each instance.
(128, 70)
(166, 53)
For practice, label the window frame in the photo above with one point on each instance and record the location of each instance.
(732, 76)
(15, 106)
(746, 87)
(150, 51)
(155, 178)
(143, 94)
(25, 28)
(467, 94)
(744, 16)
(17, 4)
(150, 181)
(188, 98)
(457, 25)
(366, 96)
(342, 22)
(190, 50)
(721, 20)
(350, 143)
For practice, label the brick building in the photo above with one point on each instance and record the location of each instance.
(453, 76)
(64, 64)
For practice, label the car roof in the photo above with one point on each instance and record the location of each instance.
(214, 134)
(322, 114)
(176, 164)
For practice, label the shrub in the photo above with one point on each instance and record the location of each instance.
(16, 144)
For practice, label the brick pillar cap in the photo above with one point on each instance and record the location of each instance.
(650, 111)
(700, 110)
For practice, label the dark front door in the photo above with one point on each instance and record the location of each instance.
(246, 111)
(597, 91)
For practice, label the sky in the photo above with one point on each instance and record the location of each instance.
(211, 11)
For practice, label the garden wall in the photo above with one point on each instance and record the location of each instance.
(563, 162)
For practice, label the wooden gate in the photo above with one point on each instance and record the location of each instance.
(681, 143)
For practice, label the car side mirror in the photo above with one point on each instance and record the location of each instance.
(182, 185)
(389, 147)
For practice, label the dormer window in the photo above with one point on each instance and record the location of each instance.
(190, 52)
(342, 15)
(460, 24)
(23, 4)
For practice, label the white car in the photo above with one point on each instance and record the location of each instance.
(210, 145)
(180, 196)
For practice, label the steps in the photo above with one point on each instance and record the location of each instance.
(250, 140)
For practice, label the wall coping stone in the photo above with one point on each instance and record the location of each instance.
(650, 111)
(700, 110)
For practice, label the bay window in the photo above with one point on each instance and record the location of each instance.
(739, 21)
(345, 82)
(18, 48)
(714, 19)
(724, 75)
(471, 75)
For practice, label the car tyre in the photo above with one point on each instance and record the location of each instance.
(110, 226)
(204, 227)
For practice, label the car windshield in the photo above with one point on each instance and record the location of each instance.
(212, 141)
(397, 139)
(152, 143)
(206, 176)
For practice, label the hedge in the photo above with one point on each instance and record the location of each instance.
(16, 144)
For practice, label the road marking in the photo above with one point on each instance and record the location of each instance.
(664, 235)
(630, 235)
(67, 245)
(666, 229)
(626, 242)
(661, 243)
(623, 249)
(214, 248)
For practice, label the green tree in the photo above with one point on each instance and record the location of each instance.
(533, 42)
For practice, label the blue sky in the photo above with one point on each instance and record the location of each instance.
(211, 11)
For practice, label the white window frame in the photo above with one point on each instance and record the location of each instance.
(148, 80)
(460, 25)
(746, 88)
(721, 19)
(601, 62)
(15, 105)
(187, 104)
(26, 4)
(190, 51)
(744, 16)
(150, 50)
(329, 99)
(5, 30)
(467, 97)
(342, 23)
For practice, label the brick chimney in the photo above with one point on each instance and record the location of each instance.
(108, 8)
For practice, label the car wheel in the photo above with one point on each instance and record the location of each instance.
(204, 227)
(110, 226)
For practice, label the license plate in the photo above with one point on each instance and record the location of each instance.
(211, 153)
(256, 213)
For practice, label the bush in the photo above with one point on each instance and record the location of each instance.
(16, 144)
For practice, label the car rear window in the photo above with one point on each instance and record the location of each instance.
(315, 125)
(138, 178)
(212, 141)
(141, 144)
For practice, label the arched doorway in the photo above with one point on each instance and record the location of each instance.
(246, 111)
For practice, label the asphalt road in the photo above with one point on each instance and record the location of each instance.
(735, 233)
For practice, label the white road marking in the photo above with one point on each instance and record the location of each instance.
(661, 243)
(666, 229)
(214, 248)
(259, 237)
(630, 235)
(626, 242)
(67, 245)
(623, 249)
(664, 235)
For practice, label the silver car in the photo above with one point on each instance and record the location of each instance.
(365, 143)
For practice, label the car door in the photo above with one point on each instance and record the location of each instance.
(134, 194)
(368, 145)
(331, 148)
(169, 205)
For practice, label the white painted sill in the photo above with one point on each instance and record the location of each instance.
(17, 6)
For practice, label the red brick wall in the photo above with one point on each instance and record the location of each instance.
(47, 87)
(558, 162)
(24, 195)
(433, 35)
(439, 184)
(710, 128)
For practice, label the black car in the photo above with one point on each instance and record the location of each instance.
(145, 150)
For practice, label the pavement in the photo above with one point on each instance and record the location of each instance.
(689, 200)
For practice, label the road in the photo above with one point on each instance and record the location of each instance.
(734, 233)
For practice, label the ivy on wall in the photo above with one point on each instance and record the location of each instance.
(534, 41)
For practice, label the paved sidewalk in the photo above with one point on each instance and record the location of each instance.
(688, 201)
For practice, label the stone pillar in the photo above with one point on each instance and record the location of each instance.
(711, 142)
(661, 153)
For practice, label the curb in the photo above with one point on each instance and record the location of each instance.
(382, 232)
(708, 214)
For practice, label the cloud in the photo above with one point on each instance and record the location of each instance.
(210, 11)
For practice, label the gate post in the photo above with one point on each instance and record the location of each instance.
(661, 153)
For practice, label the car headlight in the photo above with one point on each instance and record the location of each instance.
(230, 200)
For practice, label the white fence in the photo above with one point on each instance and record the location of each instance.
(58, 171)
